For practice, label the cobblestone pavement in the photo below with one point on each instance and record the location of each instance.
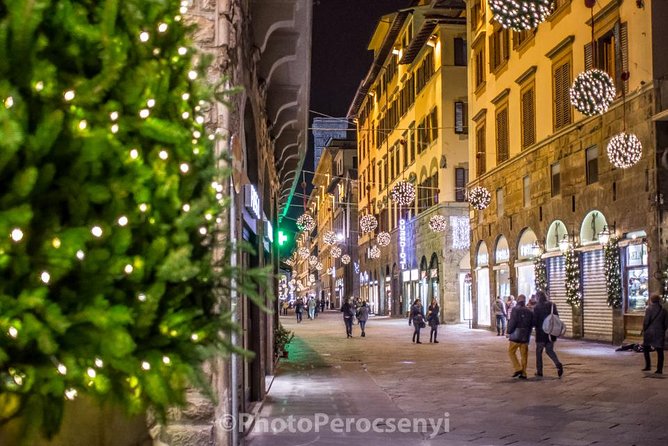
(603, 398)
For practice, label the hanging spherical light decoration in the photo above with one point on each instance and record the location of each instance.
(438, 223)
(479, 197)
(383, 238)
(335, 251)
(305, 222)
(368, 223)
(403, 193)
(374, 252)
(319, 266)
(624, 150)
(303, 252)
(312, 260)
(345, 259)
(329, 238)
(520, 15)
(592, 92)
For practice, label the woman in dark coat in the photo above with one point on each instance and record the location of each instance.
(433, 320)
(654, 332)
(417, 319)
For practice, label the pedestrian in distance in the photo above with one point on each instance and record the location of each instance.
(416, 318)
(510, 304)
(363, 316)
(545, 341)
(519, 335)
(322, 305)
(433, 315)
(299, 309)
(348, 312)
(286, 305)
(654, 329)
(311, 308)
(501, 315)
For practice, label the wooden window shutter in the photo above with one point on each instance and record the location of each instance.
(621, 35)
(502, 135)
(589, 57)
(528, 118)
(434, 124)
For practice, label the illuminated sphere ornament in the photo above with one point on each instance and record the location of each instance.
(345, 259)
(403, 193)
(368, 223)
(520, 15)
(374, 252)
(319, 266)
(480, 198)
(336, 252)
(383, 238)
(312, 261)
(592, 92)
(438, 223)
(624, 150)
(329, 238)
(303, 252)
(305, 222)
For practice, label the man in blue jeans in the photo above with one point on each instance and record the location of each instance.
(501, 316)
(543, 340)
(348, 311)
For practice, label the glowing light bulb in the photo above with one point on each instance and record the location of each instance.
(185, 115)
(55, 243)
(71, 394)
(177, 18)
(99, 363)
(16, 235)
(208, 217)
(185, 96)
(83, 124)
(134, 153)
(183, 9)
(80, 255)
(122, 220)
(91, 372)
(182, 51)
(144, 112)
(9, 102)
(219, 196)
(96, 231)
(13, 332)
(192, 75)
(212, 137)
(143, 207)
(200, 119)
(69, 95)
(184, 168)
(163, 155)
(114, 128)
(62, 369)
(128, 269)
(113, 115)
(186, 207)
(45, 277)
(150, 103)
(194, 337)
(202, 230)
(144, 36)
(145, 365)
(39, 86)
(196, 134)
(196, 151)
(141, 297)
(166, 360)
(156, 51)
(162, 27)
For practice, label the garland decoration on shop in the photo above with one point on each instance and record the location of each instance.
(383, 238)
(335, 251)
(624, 150)
(520, 15)
(540, 274)
(345, 259)
(438, 223)
(374, 252)
(368, 223)
(592, 92)
(403, 193)
(613, 275)
(303, 252)
(480, 198)
(305, 222)
(572, 282)
(329, 238)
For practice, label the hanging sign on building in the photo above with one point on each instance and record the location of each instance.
(252, 200)
(402, 244)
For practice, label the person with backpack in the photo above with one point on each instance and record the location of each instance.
(545, 341)
(416, 318)
(653, 330)
(363, 316)
(519, 335)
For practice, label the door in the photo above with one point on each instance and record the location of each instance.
(556, 279)
(596, 314)
(482, 276)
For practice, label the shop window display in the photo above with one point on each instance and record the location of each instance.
(637, 276)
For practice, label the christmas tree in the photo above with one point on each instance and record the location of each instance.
(540, 274)
(613, 276)
(108, 207)
(572, 282)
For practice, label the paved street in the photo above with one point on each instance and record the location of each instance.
(603, 397)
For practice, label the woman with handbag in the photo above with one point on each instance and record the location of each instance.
(519, 335)
(433, 319)
(417, 319)
(654, 329)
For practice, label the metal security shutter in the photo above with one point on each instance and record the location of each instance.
(556, 274)
(596, 314)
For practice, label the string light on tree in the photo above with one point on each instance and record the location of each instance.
(624, 150)
(592, 92)
(305, 222)
(345, 259)
(438, 223)
(520, 15)
(479, 198)
(383, 238)
(16, 235)
(368, 223)
(403, 193)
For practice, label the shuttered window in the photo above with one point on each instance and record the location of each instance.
(561, 81)
(528, 104)
(502, 149)
(481, 152)
(610, 53)
(433, 124)
(461, 118)
(479, 63)
(461, 178)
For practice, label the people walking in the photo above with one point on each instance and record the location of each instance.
(348, 312)
(532, 302)
(510, 304)
(285, 307)
(299, 309)
(433, 319)
(322, 305)
(501, 315)
(363, 316)
(654, 329)
(545, 341)
(416, 318)
(311, 308)
(519, 331)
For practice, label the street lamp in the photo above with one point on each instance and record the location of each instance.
(536, 249)
(604, 235)
(564, 244)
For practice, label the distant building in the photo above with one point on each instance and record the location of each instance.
(325, 129)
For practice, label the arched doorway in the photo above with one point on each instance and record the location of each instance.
(524, 265)
(433, 281)
(482, 285)
(501, 268)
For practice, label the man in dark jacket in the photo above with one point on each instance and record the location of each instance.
(545, 341)
(654, 332)
(519, 331)
(348, 311)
